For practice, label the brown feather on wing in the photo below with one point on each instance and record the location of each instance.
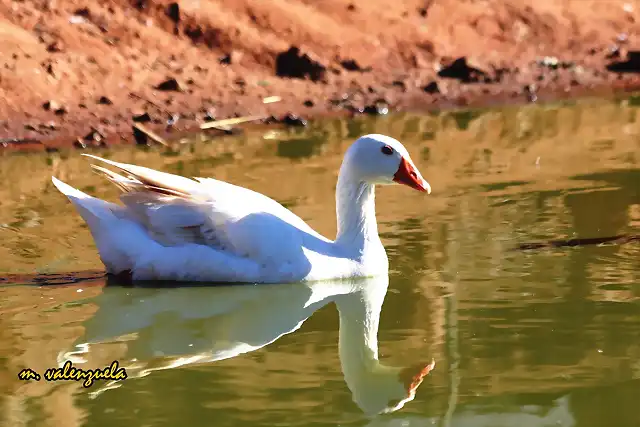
(141, 179)
(172, 208)
(129, 185)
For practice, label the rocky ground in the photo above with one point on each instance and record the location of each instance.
(83, 73)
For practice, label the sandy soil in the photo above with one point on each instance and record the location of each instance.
(70, 68)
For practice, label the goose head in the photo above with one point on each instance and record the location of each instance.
(376, 387)
(384, 389)
(382, 160)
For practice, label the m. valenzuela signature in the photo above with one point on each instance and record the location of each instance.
(68, 372)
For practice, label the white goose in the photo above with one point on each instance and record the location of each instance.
(203, 229)
(195, 326)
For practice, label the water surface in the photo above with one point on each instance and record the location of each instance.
(549, 337)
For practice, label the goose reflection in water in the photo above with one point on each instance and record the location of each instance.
(212, 323)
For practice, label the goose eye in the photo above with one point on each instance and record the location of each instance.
(387, 150)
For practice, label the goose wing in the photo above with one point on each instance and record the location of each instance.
(177, 210)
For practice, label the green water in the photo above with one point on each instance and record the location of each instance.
(547, 337)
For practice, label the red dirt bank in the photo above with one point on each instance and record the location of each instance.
(98, 63)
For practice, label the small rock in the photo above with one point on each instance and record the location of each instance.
(378, 108)
(103, 25)
(293, 120)
(173, 12)
(431, 87)
(270, 120)
(292, 63)
(140, 4)
(195, 33)
(209, 116)
(55, 47)
(76, 19)
(530, 91)
(84, 12)
(50, 125)
(232, 57)
(461, 70)
(354, 109)
(140, 137)
(49, 69)
(613, 52)
(173, 119)
(143, 117)
(51, 105)
(631, 65)
(170, 84)
(549, 62)
(104, 101)
(499, 74)
(94, 136)
(341, 100)
(399, 84)
(352, 65)
(554, 63)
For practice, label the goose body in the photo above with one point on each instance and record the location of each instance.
(203, 229)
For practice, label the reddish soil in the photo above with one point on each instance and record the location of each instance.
(68, 67)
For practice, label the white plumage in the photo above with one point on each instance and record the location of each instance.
(203, 229)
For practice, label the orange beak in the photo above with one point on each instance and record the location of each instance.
(408, 175)
(412, 381)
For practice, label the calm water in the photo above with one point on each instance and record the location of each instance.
(549, 337)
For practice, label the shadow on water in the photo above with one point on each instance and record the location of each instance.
(617, 240)
(520, 337)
